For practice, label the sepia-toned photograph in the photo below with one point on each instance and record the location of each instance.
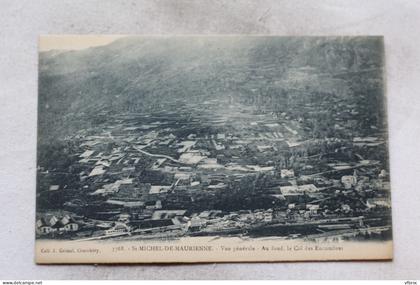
(212, 149)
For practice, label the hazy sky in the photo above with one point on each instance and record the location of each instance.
(74, 42)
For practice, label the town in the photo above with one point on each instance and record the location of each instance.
(219, 167)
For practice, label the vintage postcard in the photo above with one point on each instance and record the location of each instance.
(212, 149)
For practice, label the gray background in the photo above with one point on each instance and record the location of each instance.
(22, 21)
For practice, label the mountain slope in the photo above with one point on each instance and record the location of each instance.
(137, 73)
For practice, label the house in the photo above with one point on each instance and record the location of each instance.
(54, 187)
(70, 225)
(221, 136)
(195, 183)
(182, 178)
(264, 148)
(191, 157)
(185, 146)
(124, 217)
(47, 225)
(53, 220)
(119, 228)
(66, 219)
(383, 174)
(152, 224)
(287, 173)
(43, 227)
(293, 192)
(345, 208)
(298, 189)
(268, 215)
(219, 185)
(196, 224)
(378, 202)
(167, 214)
(115, 187)
(349, 180)
(313, 209)
(157, 189)
(211, 214)
(259, 215)
(58, 226)
(151, 205)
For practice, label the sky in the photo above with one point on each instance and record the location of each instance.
(74, 42)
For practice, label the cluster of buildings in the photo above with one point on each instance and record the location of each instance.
(210, 168)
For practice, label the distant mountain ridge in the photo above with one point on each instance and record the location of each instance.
(142, 71)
